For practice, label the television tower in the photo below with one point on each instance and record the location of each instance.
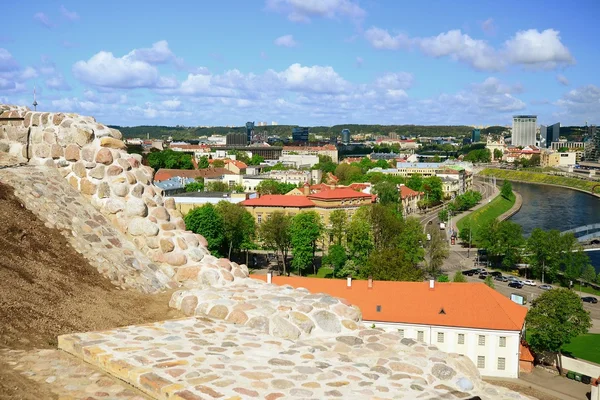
(35, 103)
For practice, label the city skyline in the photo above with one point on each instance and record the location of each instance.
(303, 62)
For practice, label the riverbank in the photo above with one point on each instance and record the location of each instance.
(499, 207)
(539, 178)
(514, 209)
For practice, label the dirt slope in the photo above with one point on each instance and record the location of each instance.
(48, 289)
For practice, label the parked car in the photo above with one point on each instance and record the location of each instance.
(470, 272)
(496, 273)
(501, 278)
(516, 284)
(545, 287)
(513, 279)
(483, 275)
(589, 299)
(529, 282)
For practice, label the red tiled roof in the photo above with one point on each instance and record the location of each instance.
(338, 193)
(164, 173)
(405, 192)
(525, 354)
(278, 200)
(321, 187)
(237, 163)
(469, 305)
(359, 186)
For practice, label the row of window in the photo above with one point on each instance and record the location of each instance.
(501, 365)
(460, 338)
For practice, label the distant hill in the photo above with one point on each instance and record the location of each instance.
(178, 132)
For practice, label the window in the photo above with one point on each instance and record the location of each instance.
(420, 336)
(259, 218)
(480, 362)
(461, 338)
(502, 341)
(481, 340)
(501, 363)
(440, 337)
(401, 333)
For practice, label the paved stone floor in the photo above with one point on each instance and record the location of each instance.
(200, 358)
(68, 376)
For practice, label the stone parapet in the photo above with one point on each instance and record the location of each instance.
(200, 358)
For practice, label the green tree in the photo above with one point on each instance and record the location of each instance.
(437, 250)
(443, 278)
(466, 233)
(275, 234)
(350, 268)
(238, 225)
(203, 162)
(503, 241)
(432, 186)
(256, 160)
(459, 277)
(305, 230)
(170, 159)
(387, 193)
(217, 186)
(207, 222)
(218, 163)
(506, 190)
(239, 155)
(349, 173)
(588, 274)
(195, 187)
(411, 239)
(443, 215)
(498, 154)
(385, 225)
(415, 182)
(382, 164)
(271, 186)
(480, 155)
(338, 220)
(336, 257)
(555, 318)
(390, 264)
(488, 281)
(325, 164)
(360, 236)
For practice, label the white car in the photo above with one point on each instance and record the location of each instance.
(529, 282)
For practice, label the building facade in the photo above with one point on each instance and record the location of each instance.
(327, 150)
(524, 130)
(549, 134)
(300, 134)
(236, 139)
(475, 135)
(550, 158)
(346, 136)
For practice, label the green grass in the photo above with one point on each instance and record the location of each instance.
(485, 214)
(323, 272)
(585, 347)
(539, 177)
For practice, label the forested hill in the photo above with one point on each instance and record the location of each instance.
(179, 132)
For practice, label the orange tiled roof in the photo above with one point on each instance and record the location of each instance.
(468, 305)
(188, 146)
(405, 192)
(359, 186)
(237, 163)
(524, 353)
(278, 200)
(338, 193)
(321, 187)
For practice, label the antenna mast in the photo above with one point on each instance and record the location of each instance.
(35, 103)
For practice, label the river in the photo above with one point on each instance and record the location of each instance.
(551, 207)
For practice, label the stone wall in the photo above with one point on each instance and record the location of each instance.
(93, 159)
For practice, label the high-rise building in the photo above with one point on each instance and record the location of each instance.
(300, 134)
(236, 139)
(249, 131)
(549, 134)
(475, 136)
(345, 136)
(524, 130)
(592, 144)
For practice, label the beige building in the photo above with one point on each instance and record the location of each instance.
(327, 150)
(549, 158)
(495, 144)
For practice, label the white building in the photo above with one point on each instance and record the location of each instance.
(470, 319)
(524, 130)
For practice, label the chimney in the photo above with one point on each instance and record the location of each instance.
(370, 282)
(349, 282)
(431, 283)
(269, 277)
(306, 189)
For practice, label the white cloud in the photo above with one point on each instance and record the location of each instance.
(304, 10)
(106, 70)
(159, 53)
(319, 79)
(535, 48)
(399, 80)
(57, 83)
(7, 61)
(173, 104)
(381, 39)
(460, 47)
(562, 80)
(70, 15)
(43, 19)
(529, 48)
(580, 104)
(488, 26)
(29, 73)
(285, 41)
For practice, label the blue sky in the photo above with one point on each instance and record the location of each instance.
(306, 62)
